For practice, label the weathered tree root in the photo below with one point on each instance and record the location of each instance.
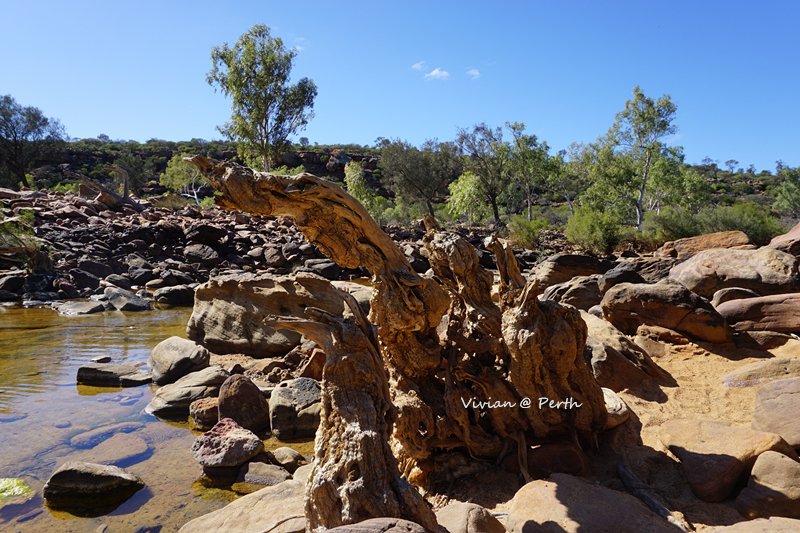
(355, 476)
(467, 387)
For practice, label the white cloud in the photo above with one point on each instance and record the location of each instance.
(298, 48)
(418, 66)
(473, 72)
(437, 74)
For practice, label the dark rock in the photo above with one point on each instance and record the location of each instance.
(84, 279)
(622, 273)
(254, 476)
(179, 295)
(101, 270)
(118, 374)
(140, 276)
(83, 485)
(119, 281)
(174, 399)
(581, 292)
(294, 408)
(563, 267)
(241, 401)
(201, 253)
(205, 234)
(8, 296)
(123, 300)
(11, 283)
(204, 412)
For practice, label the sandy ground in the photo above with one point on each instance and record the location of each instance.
(691, 389)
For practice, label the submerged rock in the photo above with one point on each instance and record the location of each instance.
(77, 484)
(116, 374)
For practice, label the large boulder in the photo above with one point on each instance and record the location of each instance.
(459, 517)
(766, 271)
(581, 292)
(123, 300)
(778, 312)
(277, 509)
(242, 401)
(714, 455)
(664, 304)
(606, 333)
(379, 525)
(686, 248)
(175, 398)
(178, 295)
(89, 485)
(563, 267)
(610, 368)
(229, 311)
(761, 372)
(777, 405)
(175, 357)
(773, 488)
(568, 504)
(226, 444)
(294, 408)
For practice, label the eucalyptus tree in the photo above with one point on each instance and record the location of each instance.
(487, 157)
(528, 162)
(265, 109)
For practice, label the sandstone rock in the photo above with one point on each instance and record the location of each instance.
(549, 458)
(294, 409)
(653, 269)
(120, 449)
(174, 358)
(277, 509)
(200, 253)
(204, 412)
(313, 367)
(459, 517)
(117, 374)
(302, 473)
(81, 308)
(777, 405)
(287, 458)
(241, 401)
(379, 525)
(92, 437)
(226, 444)
(775, 524)
(229, 311)
(604, 332)
(610, 368)
(686, 248)
(714, 455)
(622, 273)
(273, 257)
(581, 292)
(175, 398)
(773, 488)
(123, 300)
(779, 312)
(732, 293)
(667, 305)
(766, 271)
(567, 504)
(76, 484)
(563, 267)
(618, 411)
(178, 295)
(763, 371)
(255, 476)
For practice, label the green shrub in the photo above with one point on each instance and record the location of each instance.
(525, 234)
(286, 171)
(596, 231)
(756, 221)
(670, 224)
(172, 201)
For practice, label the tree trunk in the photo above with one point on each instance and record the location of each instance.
(445, 385)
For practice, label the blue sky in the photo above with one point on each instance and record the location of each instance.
(419, 70)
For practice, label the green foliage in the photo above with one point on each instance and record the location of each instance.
(140, 171)
(418, 175)
(466, 198)
(487, 158)
(26, 135)
(16, 234)
(357, 186)
(787, 194)
(596, 231)
(286, 171)
(523, 233)
(266, 109)
(183, 177)
(208, 201)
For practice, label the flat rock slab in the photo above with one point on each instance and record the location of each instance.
(175, 398)
(714, 455)
(779, 312)
(686, 248)
(81, 308)
(777, 405)
(91, 438)
(256, 476)
(566, 504)
(277, 509)
(88, 485)
(120, 449)
(113, 374)
(773, 488)
(766, 271)
(763, 371)
(775, 524)
(379, 525)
